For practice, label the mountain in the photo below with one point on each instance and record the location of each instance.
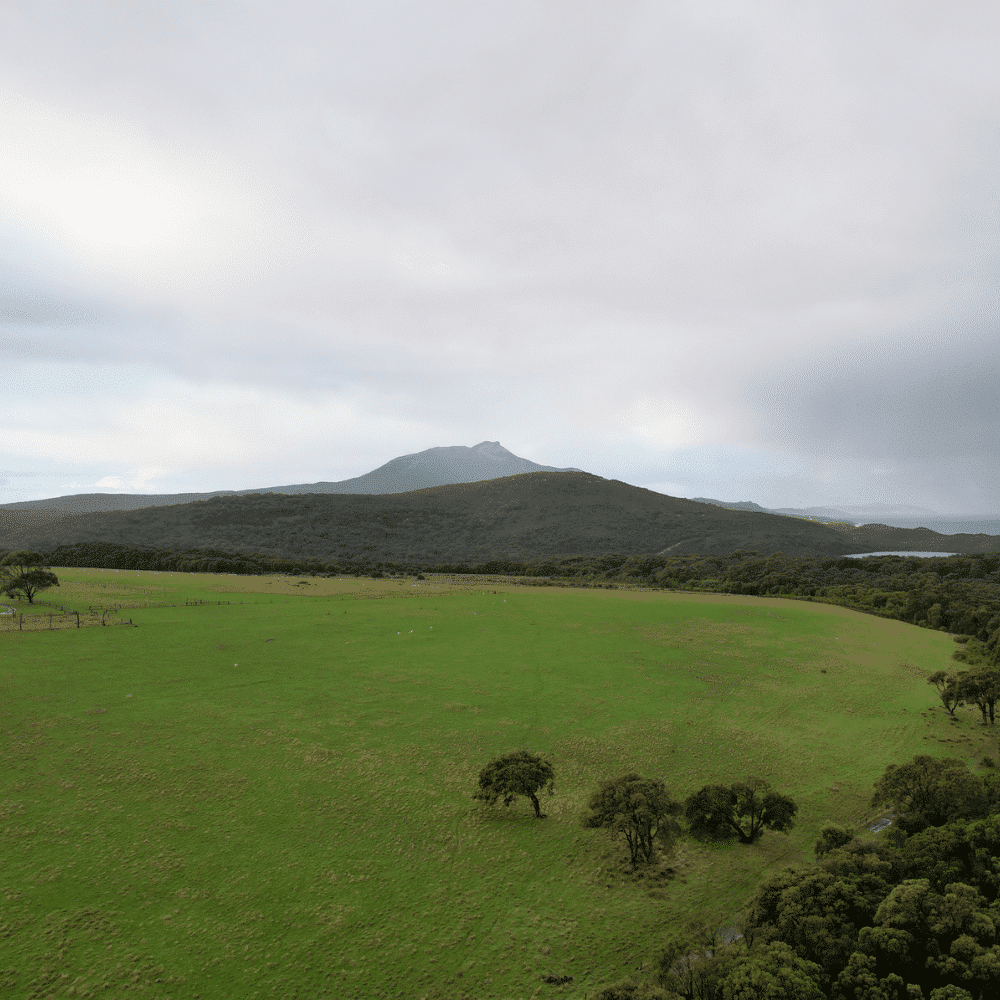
(524, 517)
(433, 467)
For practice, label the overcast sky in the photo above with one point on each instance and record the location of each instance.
(737, 250)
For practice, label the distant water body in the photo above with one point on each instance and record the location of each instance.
(919, 555)
(978, 526)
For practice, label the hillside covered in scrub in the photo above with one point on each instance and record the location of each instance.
(520, 517)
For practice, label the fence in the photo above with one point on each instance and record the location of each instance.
(60, 620)
(12, 621)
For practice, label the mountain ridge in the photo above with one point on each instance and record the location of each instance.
(521, 516)
(524, 516)
(420, 470)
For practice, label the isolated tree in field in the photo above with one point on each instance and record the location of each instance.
(22, 573)
(930, 791)
(639, 809)
(946, 685)
(746, 808)
(514, 774)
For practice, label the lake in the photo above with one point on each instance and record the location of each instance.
(919, 555)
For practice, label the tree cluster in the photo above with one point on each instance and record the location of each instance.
(913, 915)
(978, 685)
(641, 810)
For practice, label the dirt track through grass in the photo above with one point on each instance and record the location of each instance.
(272, 798)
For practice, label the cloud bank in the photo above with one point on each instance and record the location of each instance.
(744, 251)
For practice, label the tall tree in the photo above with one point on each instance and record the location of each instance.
(747, 808)
(639, 809)
(946, 684)
(514, 774)
(22, 573)
(758, 808)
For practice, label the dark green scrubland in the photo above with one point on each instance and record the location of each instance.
(520, 518)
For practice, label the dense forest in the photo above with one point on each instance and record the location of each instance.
(911, 915)
(543, 514)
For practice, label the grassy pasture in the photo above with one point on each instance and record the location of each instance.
(271, 798)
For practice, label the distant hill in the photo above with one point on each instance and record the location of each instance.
(433, 467)
(741, 505)
(869, 512)
(524, 517)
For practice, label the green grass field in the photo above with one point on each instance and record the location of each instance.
(272, 798)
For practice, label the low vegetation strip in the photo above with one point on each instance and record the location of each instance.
(957, 594)
(516, 517)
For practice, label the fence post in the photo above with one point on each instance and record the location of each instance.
(50, 623)
(77, 619)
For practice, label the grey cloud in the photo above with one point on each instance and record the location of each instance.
(780, 221)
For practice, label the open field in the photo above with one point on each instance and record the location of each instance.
(271, 798)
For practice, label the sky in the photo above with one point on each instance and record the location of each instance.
(739, 250)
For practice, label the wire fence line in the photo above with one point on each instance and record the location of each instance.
(101, 615)
(59, 620)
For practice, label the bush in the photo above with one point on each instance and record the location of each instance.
(629, 989)
(831, 837)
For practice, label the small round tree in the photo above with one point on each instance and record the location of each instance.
(640, 809)
(514, 774)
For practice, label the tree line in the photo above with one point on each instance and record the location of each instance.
(911, 915)
(957, 594)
